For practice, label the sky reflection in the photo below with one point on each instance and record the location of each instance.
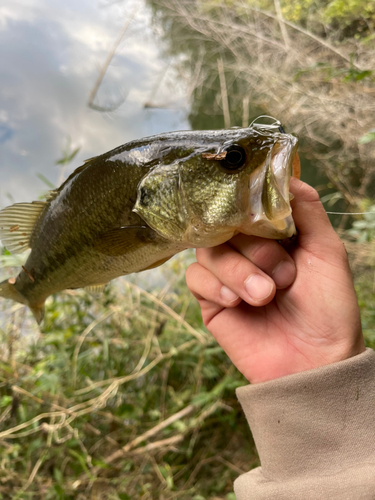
(51, 54)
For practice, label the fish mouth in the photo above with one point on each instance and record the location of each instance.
(270, 213)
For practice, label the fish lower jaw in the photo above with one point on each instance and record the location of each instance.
(263, 227)
(277, 230)
(207, 237)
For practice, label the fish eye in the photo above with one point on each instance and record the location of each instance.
(235, 158)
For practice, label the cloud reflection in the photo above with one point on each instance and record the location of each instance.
(49, 61)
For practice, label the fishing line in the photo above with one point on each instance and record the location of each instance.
(276, 126)
(349, 213)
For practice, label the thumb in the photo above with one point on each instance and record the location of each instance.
(312, 222)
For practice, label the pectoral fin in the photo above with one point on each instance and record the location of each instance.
(157, 263)
(121, 240)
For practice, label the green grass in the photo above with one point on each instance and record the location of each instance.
(134, 369)
(127, 396)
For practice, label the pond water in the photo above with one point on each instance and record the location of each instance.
(50, 59)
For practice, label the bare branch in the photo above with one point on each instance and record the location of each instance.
(105, 66)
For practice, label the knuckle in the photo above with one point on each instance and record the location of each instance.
(311, 193)
(303, 191)
(263, 253)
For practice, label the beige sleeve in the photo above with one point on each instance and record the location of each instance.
(315, 434)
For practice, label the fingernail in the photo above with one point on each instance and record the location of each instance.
(283, 274)
(258, 287)
(227, 295)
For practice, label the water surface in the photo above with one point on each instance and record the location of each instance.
(51, 55)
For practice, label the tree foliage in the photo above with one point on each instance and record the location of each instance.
(319, 15)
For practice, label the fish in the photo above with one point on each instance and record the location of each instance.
(136, 206)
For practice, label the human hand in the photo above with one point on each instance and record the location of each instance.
(276, 314)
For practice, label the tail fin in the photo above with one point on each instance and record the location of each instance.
(8, 291)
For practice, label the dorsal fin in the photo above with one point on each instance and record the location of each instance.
(17, 223)
(89, 159)
(51, 195)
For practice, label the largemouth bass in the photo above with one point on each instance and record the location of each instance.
(133, 208)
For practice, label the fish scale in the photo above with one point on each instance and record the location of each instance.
(136, 206)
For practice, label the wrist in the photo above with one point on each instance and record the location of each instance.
(293, 361)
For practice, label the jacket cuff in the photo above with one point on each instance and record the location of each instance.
(314, 422)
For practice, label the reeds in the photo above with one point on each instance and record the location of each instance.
(123, 397)
(319, 82)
